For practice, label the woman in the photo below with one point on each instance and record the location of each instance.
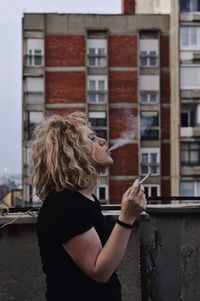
(79, 252)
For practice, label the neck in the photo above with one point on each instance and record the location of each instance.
(87, 192)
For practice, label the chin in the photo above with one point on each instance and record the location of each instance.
(102, 167)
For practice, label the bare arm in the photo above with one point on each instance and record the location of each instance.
(86, 250)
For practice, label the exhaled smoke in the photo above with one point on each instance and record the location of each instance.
(129, 134)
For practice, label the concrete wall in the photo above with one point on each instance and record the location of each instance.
(162, 261)
(62, 24)
(21, 276)
(170, 255)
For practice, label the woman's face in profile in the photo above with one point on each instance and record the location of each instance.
(101, 156)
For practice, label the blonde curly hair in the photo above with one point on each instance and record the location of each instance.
(59, 158)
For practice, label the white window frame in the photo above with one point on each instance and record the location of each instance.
(34, 48)
(154, 128)
(149, 151)
(189, 117)
(100, 59)
(36, 120)
(97, 192)
(104, 172)
(148, 55)
(149, 186)
(193, 6)
(148, 95)
(97, 92)
(99, 115)
(189, 36)
(195, 189)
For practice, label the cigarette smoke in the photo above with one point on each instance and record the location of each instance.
(129, 134)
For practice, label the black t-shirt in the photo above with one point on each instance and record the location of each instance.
(62, 216)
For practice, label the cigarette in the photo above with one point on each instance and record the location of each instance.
(148, 175)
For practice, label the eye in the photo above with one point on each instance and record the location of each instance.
(92, 137)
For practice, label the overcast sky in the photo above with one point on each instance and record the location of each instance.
(11, 12)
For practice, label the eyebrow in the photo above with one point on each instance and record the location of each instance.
(92, 134)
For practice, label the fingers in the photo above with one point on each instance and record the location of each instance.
(135, 189)
(134, 200)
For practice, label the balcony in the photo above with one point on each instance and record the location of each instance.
(161, 262)
(190, 16)
(34, 99)
(190, 131)
(149, 134)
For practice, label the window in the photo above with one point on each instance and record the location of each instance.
(34, 90)
(35, 52)
(97, 52)
(148, 97)
(190, 5)
(151, 190)
(190, 188)
(97, 89)
(148, 59)
(188, 118)
(190, 153)
(149, 126)
(149, 49)
(190, 77)
(104, 172)
(150, 160)
(101, 193)
(99, 123)
(34, 119)
(190, 37)
(35, 58)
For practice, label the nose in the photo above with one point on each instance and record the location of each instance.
(102, 141)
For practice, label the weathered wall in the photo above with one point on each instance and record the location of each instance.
(162, 261)
(170, 255)
(21, 276)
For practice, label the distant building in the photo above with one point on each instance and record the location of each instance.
(123, 71)
(13, 198)
(4, 189)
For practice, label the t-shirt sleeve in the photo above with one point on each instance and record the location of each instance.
(69, 221)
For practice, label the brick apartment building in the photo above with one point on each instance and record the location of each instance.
(116, 69)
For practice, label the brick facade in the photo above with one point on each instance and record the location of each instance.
(166, 188)
(125, 161)
(165, 123)
(123, 121)
(164, 51)
(165, 87)
(65, 87)
(122, 51)
(117, 189)
(123, 87)
(165, 159)
(65, 51)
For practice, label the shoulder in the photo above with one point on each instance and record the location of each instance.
(65, 200)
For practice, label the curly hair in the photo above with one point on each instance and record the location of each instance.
(59, 158)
